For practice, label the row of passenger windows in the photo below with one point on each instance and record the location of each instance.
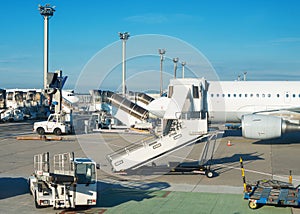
(254, 95)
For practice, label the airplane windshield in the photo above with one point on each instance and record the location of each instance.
(85, 173)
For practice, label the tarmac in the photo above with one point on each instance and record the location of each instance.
(155, 192)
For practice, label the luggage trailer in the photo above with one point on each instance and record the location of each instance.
(272, 192)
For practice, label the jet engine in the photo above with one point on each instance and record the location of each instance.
(257, 126)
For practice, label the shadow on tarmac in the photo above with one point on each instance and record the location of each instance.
(11, 187)
(110, 195)
(233, 160)
(289, 138)
(232, 133)
(248, 157)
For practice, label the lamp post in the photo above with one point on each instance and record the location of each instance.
(245, 75)
(124, 37)
(183, 64)
(46, 11)
(175, 60)
(161, 52)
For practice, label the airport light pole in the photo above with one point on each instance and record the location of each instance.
(46, 11)
(175, 60)
(245, 75)
(183, 64)
(124, 37)
(161, 52)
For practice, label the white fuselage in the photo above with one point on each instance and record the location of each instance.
(229, 100)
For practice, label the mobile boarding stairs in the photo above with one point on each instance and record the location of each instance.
(184, 124)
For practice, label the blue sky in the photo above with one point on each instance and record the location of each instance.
(260, 37)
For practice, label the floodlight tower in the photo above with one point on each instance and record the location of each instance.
(175, 60)
(161, 52)
(183, 64)
(46, 11)
(124, 37)
(245, 75)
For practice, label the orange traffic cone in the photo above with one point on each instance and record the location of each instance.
(229, 143)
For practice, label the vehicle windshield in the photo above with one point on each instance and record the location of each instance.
(85, 173)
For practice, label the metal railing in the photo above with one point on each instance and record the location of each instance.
(41, 162)
(132, 147)
(63, 164)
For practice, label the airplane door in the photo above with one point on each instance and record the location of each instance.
(287, 97)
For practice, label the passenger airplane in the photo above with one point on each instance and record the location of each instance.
(266, 109)
(70, 96)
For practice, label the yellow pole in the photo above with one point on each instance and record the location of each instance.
(291, 177)
(243, 173)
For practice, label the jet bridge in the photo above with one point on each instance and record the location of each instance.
(142, 97)
(121, 102)
(185, 124)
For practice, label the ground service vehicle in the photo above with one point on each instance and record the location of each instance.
(72, 183)
(56, 124)
(12, 115)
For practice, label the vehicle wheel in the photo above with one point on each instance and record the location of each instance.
(209, 174)
(252, 205)
(57, 131)
(35, 202)
(40, 131)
